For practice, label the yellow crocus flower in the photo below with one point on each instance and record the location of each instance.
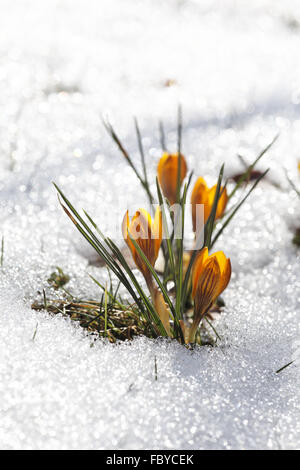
(211, 275)
(167, 172)
(203, 195)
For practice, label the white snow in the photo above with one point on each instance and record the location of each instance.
(63, 65)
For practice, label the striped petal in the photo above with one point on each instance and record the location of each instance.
(197, 268)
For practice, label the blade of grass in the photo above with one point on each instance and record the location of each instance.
(35, 331)
(153, 272)
(45, 300)
(110, 278)
(105, 311)
(120, 146)
(100, 249)
(179, 309)
(179, 136)
(213, 328)
(155, 369)
(116, 139)
(113, 297)
(127, 268)
(141, 149)
(166, 231)
(237, 208)
(111, 262)
(189, 179)
(162, 136)
(144, 297)
(116, 292)
(247, 173)
(284, 367)
(212, 216)
(292, 183)
(89, 235)
(150, 313)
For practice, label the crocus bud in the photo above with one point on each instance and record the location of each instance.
(211, 275)
(203, 195)
(167, 172)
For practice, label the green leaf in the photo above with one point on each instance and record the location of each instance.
(189, 179)
(209, 226)
(292, 184)
(247, 173)
(105, 311)
(141, 149)
(166, 231)
(162, 136)
(152, 270)
(113, 297)
(119, 144)
(180, 259)
(232, 214)
(100, 248)
(179, 136)
(113, 247)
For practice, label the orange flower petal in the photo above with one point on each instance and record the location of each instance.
(199, 196)
(167, 170)
(225, 277)
(221, 259)
(207, 287)
(222, 203)
(157, 231)
(203, 195)
(197, 268)
(125, 225)
(148, 235)
(199, 187)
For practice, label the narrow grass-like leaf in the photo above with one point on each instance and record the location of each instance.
(150, 313)
(158, 281)
(141, 149)
(121, 147)
(232, 214)
(179, 309)
(212, 216)
(179, 136)
(292, 184)
(105, 310)
(144, 297)
(35, 331)
(45, 300)
(101, 250)
(284, 367)
(99, 247)
(166, 231)
(127, 268)
(213, 328)
(247, 173)
(189, 180)
(113, 297)
(162, 136)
